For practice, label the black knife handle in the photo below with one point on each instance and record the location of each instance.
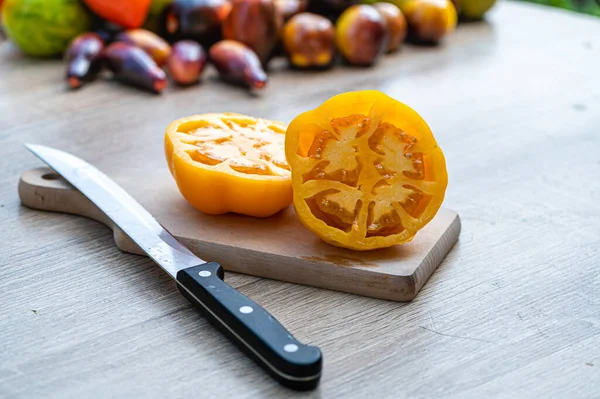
(252, 328)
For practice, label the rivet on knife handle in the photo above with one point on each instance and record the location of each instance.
(251, 327)
(254, 330)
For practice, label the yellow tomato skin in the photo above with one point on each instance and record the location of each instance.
(344, 109)
(430, 20)
(216, 189)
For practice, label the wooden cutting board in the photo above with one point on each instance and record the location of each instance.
(278, 247)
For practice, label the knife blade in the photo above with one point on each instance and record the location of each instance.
(248, 325)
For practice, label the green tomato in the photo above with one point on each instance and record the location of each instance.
(397, 3)
(157, 6)
(475, 9)
(44, 27)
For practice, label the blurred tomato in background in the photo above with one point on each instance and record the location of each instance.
(128, 14)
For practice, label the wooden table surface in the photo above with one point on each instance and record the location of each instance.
(514, 311)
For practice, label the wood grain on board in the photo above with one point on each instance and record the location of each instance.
(278, 247)
(513, 311)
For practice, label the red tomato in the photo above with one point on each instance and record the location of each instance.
(127, 13)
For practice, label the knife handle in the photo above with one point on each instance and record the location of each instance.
(251, 327)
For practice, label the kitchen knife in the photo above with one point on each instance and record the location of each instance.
(248, 325)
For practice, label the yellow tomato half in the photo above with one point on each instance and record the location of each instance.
(367, 172)
(230, 163)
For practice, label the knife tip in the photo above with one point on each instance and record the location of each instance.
(31, 147)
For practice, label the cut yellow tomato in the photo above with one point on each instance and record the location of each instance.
(367, 172)
(230, 163)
